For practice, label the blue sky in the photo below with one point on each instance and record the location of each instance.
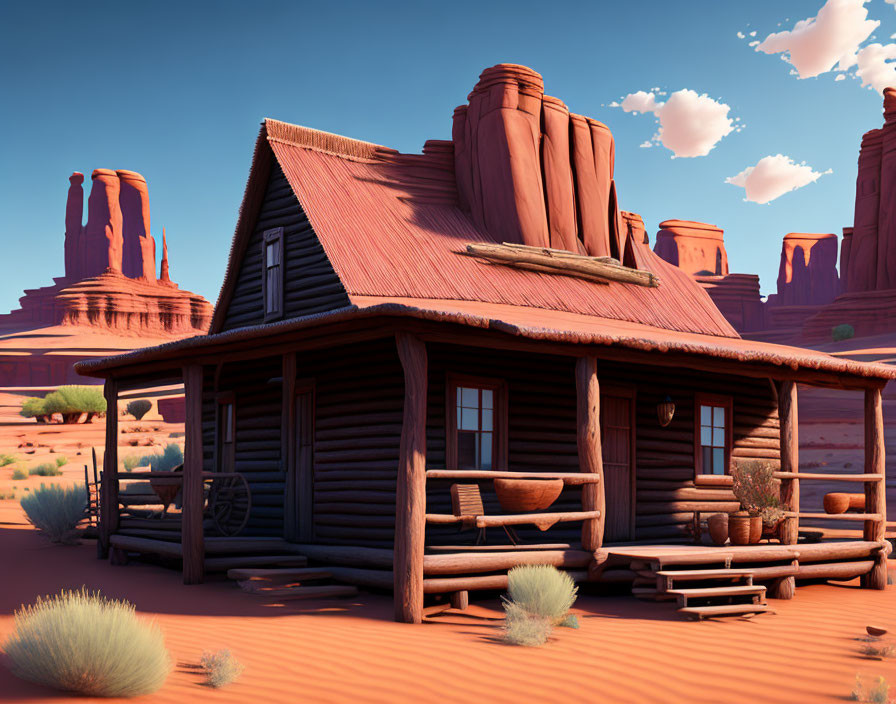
(176, 91)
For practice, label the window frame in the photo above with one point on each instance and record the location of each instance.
(225, 460)
(726, 402)
(269, 237)
(499, 418)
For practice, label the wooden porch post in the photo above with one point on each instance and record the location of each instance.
(410, 495)
(875, 491)
(790, 488)
(590, 453)
(191, 513)
(109, 483)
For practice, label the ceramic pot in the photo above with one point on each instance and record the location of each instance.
(836, 502)
(718, 528)
(739, 529)
(755, 529)
(527, 495)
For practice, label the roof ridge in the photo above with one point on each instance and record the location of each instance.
(327, 142)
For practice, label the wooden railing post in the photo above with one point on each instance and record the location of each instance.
(109, 482)
(410, 495)
(590, 454)
(191, 512)
(790, 488)
(875, 491)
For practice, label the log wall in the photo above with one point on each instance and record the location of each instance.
(310, 283)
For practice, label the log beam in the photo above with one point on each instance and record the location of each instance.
(109, 482)
(191, 515)
(588, 442)
(875, 491)
(410, 497)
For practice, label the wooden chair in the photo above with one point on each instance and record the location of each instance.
(466, 504)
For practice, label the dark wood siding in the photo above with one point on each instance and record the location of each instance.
(310, 284)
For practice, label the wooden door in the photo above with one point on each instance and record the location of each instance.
(616, 422)
(304, 464)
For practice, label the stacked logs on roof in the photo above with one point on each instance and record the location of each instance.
(530, 172)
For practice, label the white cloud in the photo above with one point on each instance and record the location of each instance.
(772, 177)
(753, 33)
(816, 44)
(874, 68)
(689, 124)
(741, 35)
(840, 77)
(646, 145)
(754, 43)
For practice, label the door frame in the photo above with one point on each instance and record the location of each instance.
(631, 393)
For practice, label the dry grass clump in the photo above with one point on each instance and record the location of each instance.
(84, 643)
(539, 598)
(46, 469)
(877, 650)
(18, 474)
(876, 693)
(56, 511)
(220, 667)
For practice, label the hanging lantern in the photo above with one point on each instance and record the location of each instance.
(665, 409)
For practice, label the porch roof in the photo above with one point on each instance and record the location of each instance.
(552, 326)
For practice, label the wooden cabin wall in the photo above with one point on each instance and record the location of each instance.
(310, 282)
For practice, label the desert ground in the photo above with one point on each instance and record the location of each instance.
(350, 650)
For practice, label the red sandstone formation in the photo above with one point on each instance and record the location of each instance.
(110, 272)
(807, 275)
(163, 269)
(546, 174)
(737, 296)
(696, 247)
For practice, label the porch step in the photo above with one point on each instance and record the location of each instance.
(222, 564)
(692, 575)
(701, 612)
(322, 592)
(241, 574)
(756, 593)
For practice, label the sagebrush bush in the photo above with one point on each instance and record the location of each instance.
(842, 332)
(32, 407)
(220, 667)
(61, 460)
(18, 474)
(7, 459)
(541, 590)
(56, 511)
(85, 643)
(131, 462)
(72, 401)
(168, 459)
(139, 408)
(524, 628)
(45, 469)
(877, 693)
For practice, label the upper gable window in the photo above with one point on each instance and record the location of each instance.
(272, 283)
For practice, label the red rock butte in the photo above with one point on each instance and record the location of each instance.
(109, 297)
(696, 247)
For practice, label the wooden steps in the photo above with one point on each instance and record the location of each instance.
(701, 612)
(222, 564)
(756, 592)
(691, 575)
(290, 584)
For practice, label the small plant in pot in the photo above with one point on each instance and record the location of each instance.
(759, 494)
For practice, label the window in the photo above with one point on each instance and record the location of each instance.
(476, 424)
(226, 432)
(713, 426)
(272, 284)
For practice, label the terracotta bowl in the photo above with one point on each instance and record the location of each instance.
(525, 495)
(836, 502)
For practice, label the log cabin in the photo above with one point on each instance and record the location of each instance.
(395, 332)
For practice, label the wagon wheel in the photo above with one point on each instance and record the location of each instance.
(229, 503)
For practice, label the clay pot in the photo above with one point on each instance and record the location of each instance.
(876, 631)
(739, 529)
(755, 529)
(836, 502)
(527, 495)
(718, 528)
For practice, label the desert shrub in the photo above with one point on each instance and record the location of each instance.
(168, 459)
(131, 462)
(7, 459)
(18, 474)
(139, 408)
(571, 621)
(45, 469)
(523, 628)
(33, 407)
(56, 511)
(843, 332)
(61, 460)
(72, 401)
(85, 643)
(540, 590)
(877, 693)
(220, 667)
(880, 651)
(758, 491)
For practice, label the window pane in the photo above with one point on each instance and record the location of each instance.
(486, 452)
(458, 403)
(466, 451)
(470, 398)
(487, 398)
(469, 419)
(273, 253)
(705, 435)
(718, 437)
(487, 420)
(718, 416)
(458, 416)
(718, 460)
(707, 460)
(705, 415)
